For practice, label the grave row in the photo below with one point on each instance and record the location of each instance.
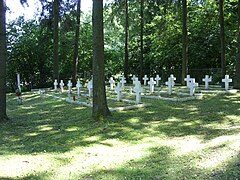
(191, 84)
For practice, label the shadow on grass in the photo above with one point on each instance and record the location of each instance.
(44, 124)
(47, 125)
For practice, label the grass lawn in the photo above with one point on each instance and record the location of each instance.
(51, 139)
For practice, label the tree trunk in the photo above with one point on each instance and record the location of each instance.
(55, 39)
(184, 41)
(100, 108)
(222, 38)
(3, 59)
(76, 44)
(237, 77)
(126, 42)
(141, 41)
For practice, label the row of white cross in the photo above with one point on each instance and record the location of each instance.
(191, 84)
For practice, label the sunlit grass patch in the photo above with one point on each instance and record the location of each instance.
(51, 139)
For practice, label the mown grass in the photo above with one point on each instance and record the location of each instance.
(50, 139)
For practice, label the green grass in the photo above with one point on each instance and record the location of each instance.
(51, 139)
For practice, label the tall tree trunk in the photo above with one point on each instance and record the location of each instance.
(126, 42)
(184, 42)
(3, 59)
(237, 77)
(76, 44)
(141, 40)
(55, 39)
(100, 108)
(222, 38)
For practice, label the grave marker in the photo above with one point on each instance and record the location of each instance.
(69, 88)
(90, 86)
(157, 78)
(118, 90)
(169, 83)
(78, 85)
(172, 79)
(55, 85)
(192, 86)
(187, 79)
(123, 81)
(112, 83)
(133, 79)
(151, 84)
(226, 80)
(18, 82)
(61, 86)
(145, 80)
(137, 89)
(207, 79)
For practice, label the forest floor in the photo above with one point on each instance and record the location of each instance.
(51, 139)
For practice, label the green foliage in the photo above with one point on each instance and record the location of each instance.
(30, 42)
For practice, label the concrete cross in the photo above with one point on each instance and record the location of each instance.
(145, 80)
(112, 83)
(137, 89)
(55, 85)
(226, 80)
(69, 88)
(118, 90)
(90, 86)
(151, 83)
(123, 81)
(157, 78)
(18, 82)
(172, 79)
(187, 79)
(207, 79)
(192, 86)
(61, 86)
(78, 85)
(169, 83)
(133, 79)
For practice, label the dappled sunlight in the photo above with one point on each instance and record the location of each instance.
(17, 166)
(45, 128)
(134, 120)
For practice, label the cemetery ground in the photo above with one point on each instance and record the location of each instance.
(51, 139)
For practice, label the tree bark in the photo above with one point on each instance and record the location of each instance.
(55, 39)
(100, 108)
(222, 38)
(184, 42)
(126, 42)
(3, 59)
(237, 77)
(141, 41)
(76, 44)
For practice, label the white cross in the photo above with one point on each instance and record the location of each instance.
(133, 79)
(192, 86)
(187, 80)
(207, 79)
(137, 89)
(78, 85)
(172, 79)
(123, 81)
(226, 81)
(61, 85)
(157, 78)
(55, 85)
(151, 83)
(118, 90)
(169, 83)
(69, 88)
(112, 83)
(90, 86)
(145, 80)
(19, 82)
